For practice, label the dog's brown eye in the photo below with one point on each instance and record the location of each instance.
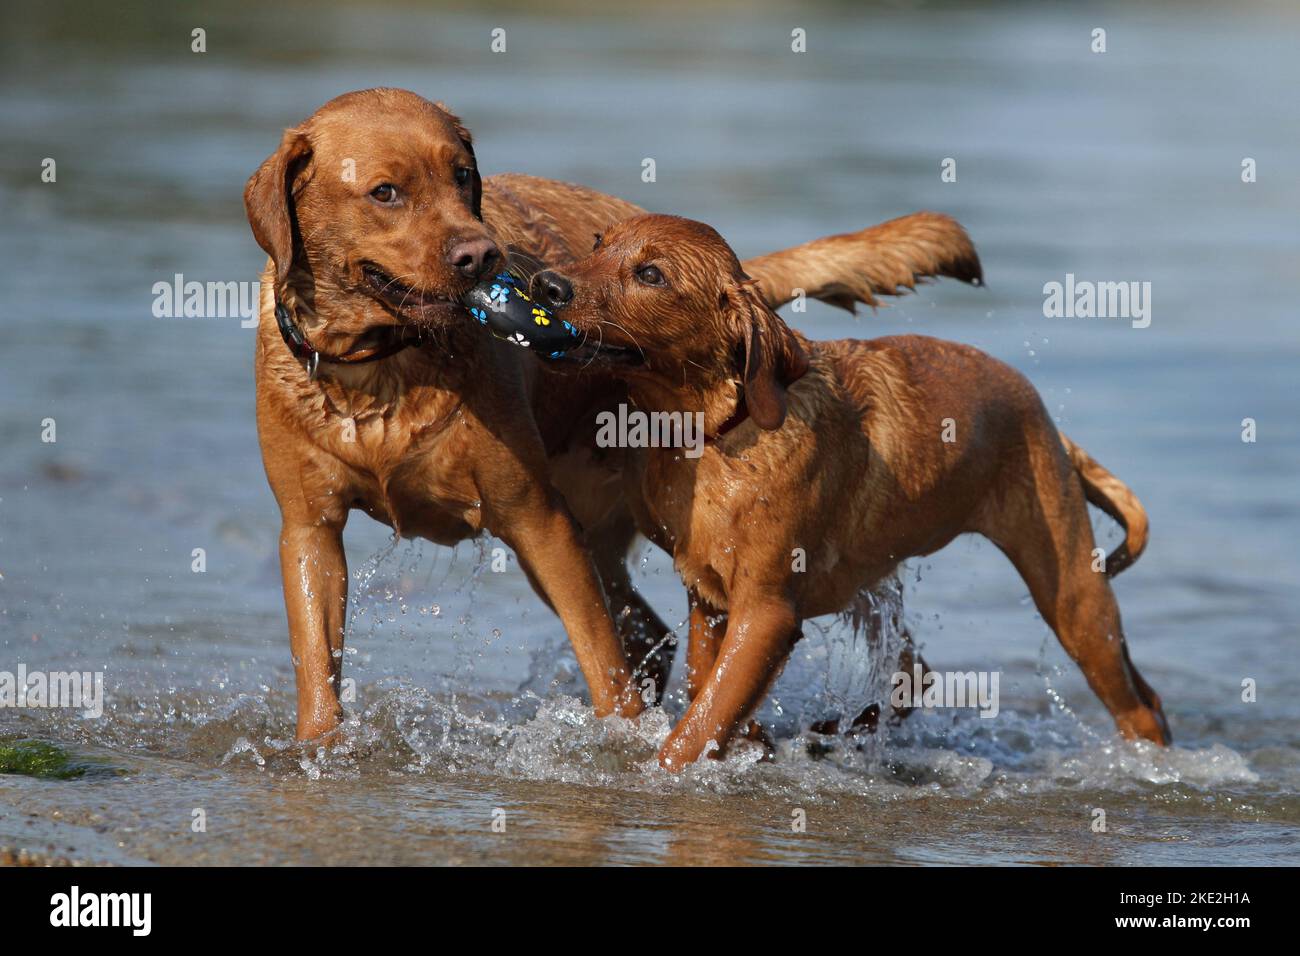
(384, 192)
(462, 175)
(649, 275)
(596, 244)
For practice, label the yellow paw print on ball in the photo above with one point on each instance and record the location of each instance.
(540, 317)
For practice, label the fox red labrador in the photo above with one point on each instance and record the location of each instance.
(837, 449)
(376, 392)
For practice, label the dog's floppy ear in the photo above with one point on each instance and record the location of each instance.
(268, 200)
(773, 357)
(462, 132)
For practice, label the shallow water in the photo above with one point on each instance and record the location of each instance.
(1112, 167)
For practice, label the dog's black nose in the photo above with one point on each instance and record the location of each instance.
(474, 258)
(552, 290)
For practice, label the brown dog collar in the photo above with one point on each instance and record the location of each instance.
(391, 340)
(735, 421)
(741, 413)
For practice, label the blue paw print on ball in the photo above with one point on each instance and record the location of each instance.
(479, 314)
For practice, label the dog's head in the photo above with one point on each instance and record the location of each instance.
(374, 202)
(664, 301)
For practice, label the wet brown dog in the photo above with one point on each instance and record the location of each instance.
(836, 450)
(375, 391)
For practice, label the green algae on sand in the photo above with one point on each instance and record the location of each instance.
(35, 758)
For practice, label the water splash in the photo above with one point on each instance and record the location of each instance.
(863, 648)
(538, 728)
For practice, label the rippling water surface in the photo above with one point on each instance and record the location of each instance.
(1112, 167)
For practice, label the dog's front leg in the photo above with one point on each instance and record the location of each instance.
(315, 575)
(760, 634)
(551, 552)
